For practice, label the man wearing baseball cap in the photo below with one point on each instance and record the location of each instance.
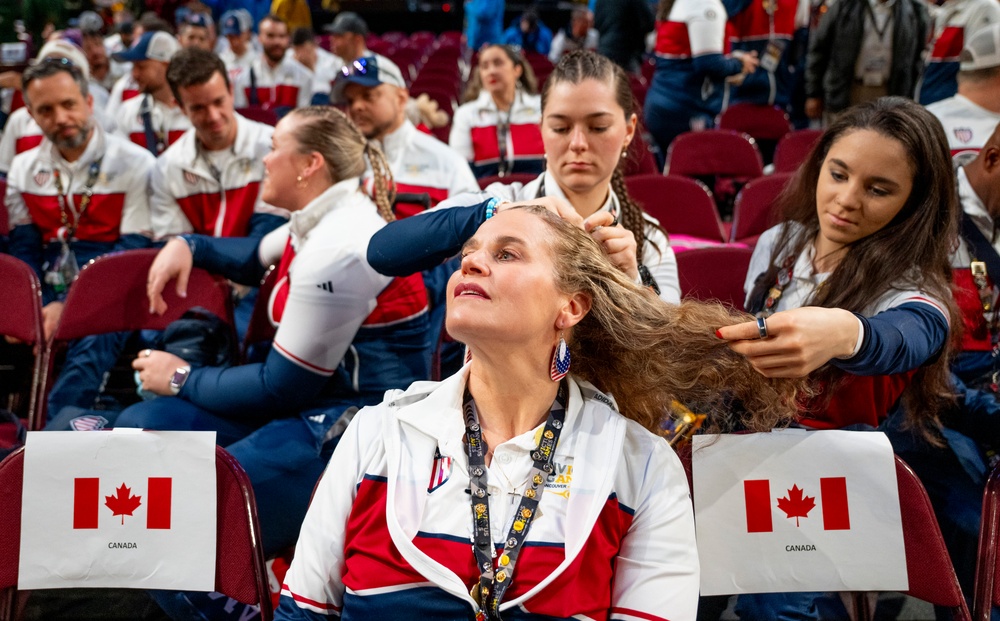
(273, 82)
(153, 120)
(237, 28)
(347, 36)
(195, 30)
(970, 117)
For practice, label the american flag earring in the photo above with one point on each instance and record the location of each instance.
(560, 360)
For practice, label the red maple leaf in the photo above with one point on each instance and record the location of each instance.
(795, 506)
(123, 503)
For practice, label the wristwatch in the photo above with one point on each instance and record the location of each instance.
(177, 380)
(646, 277)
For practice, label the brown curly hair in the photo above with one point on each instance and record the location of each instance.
(648, 354)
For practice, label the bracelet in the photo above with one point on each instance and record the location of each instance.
(491, 207)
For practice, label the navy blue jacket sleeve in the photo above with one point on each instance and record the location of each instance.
(898, 340)
(133, 241)
(251, 390)
(716, 66)
(26, 244)
(423, 241)
(234, 258)
(263, 223)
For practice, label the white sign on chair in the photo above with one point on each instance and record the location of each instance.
(122, 508)
(797, 510)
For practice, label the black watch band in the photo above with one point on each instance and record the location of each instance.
(647, 279)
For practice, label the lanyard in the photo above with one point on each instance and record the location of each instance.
(503, 127)
(775, 292)
(492, 585)
(65, 199)
(156, 141)
(885, 26)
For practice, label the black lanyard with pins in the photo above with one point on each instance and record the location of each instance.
(492, 584)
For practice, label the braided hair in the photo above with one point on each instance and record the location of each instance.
(580, 65)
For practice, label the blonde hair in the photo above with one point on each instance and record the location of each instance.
(328, 131)
(648, 354)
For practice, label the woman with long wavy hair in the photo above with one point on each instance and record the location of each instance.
(539, 452)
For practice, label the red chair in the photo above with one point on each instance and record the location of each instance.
(987, 589)
(445, 98)
(754, 210)
(683, 206)
(760, 122)
(794, 148)
(928, 566)
(714, 274)
(260, 328)
(109, 295)
(22, 319)
(509, 178)
(639, 160)
(721, 158)
(239, 571)
(714, 152)
(436, 82)
(261, 115)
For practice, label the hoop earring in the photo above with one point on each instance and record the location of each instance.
(560, 360)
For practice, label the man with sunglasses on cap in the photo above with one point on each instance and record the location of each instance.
(80, 194)
(273, 82)
(153, 120)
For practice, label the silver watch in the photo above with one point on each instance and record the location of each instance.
(177, 380)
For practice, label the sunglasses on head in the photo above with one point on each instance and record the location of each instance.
(359, 67)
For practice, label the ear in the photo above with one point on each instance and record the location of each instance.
(573, 311)
(630, 124)
(990, 157)
(314, 162)
(518, 71)
(404, 96)
(90, 103)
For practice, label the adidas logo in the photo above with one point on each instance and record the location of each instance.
(318, 418)
(326, 286)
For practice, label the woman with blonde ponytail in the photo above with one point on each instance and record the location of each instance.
(345, 334)
(588, 121)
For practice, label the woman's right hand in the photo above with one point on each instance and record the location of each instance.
(750, 61)
(174, 261)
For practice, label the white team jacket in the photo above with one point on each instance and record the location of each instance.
(287, 85)
(474, 129)
(120, 205)
(391, 526)
(187, 198)
(169, 123)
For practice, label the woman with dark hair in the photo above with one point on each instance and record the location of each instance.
(688, 87)
(853, 289)
(588, 121)
(496, 129)
(572, 507)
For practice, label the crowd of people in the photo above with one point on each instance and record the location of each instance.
(549, 308)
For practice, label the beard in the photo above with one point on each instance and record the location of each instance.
(77, 140)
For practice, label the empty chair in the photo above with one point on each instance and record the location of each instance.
(22, 319)
(715, 273)
(683, 206)
(754, 210)
(793, 149)
(639, 160)
(724, 159)
(765, 124)
(987, 590)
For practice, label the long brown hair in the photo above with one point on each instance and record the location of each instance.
(527, 82)
(648, 354)
(580, 65)
(911, 251)
(328, 131)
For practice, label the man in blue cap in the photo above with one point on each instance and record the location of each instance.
(196, 30)
(236, 27)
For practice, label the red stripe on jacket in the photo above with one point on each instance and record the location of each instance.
(526, 139)
(102, 222)
(24, 143)
(202, 210)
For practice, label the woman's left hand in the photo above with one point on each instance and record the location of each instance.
(156, 368)
(798, 342)
(618, 242)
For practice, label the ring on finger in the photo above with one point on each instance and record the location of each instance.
(146, 353)
(614, 221)
(762, 327)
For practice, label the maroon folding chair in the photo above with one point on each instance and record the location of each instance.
(715, 273)
(508, 178)
(721, 158)
(683, 206)
(423, 39)
(22, 319)
(446, 99)
(109, 295)
(794, 148)
(260, 328)
(639, 160)
(239, 568)
(261, 115)
(987, 589)
(436, 81)
(760, 122)
(754, 209)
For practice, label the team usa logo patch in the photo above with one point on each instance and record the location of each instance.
(42, 177)
(190, 177)
(440, 471)
(964, 134)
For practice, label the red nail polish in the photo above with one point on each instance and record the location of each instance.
(718, 334)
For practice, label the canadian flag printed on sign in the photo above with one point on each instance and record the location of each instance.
(87, 505)
(796, 504)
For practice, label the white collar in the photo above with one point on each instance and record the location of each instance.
(552, 189)
(304, 220)
(94, 151)
(396, 143)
